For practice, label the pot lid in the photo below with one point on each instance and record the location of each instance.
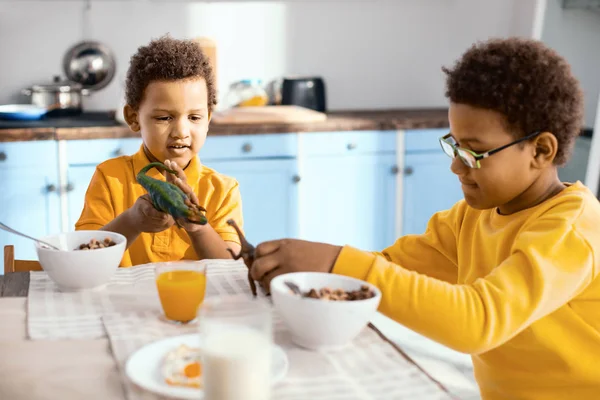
(57, 85)
(91, 64)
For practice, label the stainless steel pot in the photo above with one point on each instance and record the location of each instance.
(59, 96)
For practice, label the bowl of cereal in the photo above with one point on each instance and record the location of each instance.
(86, 259)
(327, 311)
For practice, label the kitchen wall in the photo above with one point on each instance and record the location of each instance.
(575, 34)
(372, 53)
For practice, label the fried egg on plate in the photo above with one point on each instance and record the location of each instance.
(181, 367)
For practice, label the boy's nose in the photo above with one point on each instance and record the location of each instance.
(180, 129)
(458, 167)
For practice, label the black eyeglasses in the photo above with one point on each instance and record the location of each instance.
(469, 157)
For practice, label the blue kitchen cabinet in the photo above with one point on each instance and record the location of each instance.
(349, 200)
(29, 200)
(348, 188)
(338, 187)
(428, 185)
(265, 167)
(367, 188)
(269, 192)
(78, 182)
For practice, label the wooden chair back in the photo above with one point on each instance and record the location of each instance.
(12, 265)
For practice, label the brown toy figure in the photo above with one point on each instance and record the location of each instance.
(246, 253)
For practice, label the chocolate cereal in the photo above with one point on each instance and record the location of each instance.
(339, 294)
(96, 244)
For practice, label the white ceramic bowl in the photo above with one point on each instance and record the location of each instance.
(322, 324)
(75, 270)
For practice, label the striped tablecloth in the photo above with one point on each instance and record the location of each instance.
(127, 312)
(52, 314)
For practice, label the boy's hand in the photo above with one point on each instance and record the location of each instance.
(291, 255)
(181, 181)
(146, 218)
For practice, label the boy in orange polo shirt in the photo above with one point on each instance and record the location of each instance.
(170, 93)
(510, 273)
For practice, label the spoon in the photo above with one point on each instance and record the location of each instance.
(11, 230)
(293, 287)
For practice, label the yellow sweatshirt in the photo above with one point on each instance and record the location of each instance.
(519, 293)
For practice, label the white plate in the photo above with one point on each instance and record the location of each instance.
(143, 366)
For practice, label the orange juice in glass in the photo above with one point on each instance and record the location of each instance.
(181, 286)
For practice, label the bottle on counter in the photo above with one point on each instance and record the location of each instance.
(209, 48)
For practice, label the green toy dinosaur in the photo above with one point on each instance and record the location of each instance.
(169, 198)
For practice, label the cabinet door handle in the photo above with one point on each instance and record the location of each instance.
(408, 171)
(395, 170)
(2, 156)
(247, 148)
(50, 188)
(118, 152)
(69, 187)
(296, 178)
(351, 146)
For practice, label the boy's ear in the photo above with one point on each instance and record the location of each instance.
(131, 117)
(545, 148)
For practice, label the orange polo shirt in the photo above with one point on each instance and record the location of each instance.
(113, 189)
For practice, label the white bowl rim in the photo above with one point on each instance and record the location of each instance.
(286, 291)
(122, 240)
(174, 262)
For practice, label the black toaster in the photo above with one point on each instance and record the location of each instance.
(308, 92)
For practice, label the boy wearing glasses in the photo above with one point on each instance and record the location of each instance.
(510, 273)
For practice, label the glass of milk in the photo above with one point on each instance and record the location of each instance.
(236, 335)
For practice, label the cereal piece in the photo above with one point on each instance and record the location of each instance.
(326, 293)
(96, 244)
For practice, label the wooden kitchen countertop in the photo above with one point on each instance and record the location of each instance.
(336, 121)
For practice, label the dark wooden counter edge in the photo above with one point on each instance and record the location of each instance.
(336, 121)
(28, 134)
(16, 284)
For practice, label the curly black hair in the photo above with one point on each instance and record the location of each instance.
(527, 82)
(167, 59)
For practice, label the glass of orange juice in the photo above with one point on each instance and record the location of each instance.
(181, 287)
